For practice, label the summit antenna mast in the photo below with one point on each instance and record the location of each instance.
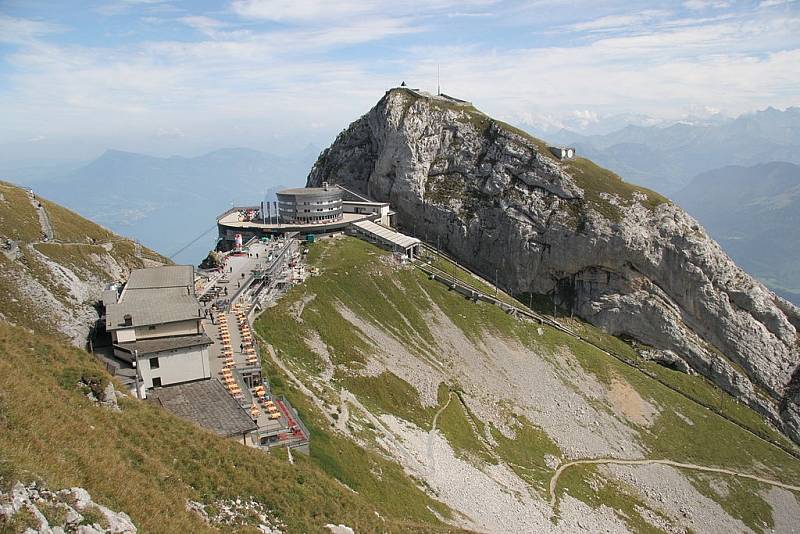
(438, 85)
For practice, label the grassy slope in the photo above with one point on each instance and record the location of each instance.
(18, 219)
(353, 277)
(76, 246)
(146, 462)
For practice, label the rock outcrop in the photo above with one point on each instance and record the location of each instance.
(33, 508)
(622, 257)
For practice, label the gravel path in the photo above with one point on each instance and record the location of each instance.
(44, 220)
(431, 458)
(695, 467)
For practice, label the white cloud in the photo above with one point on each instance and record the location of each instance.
(699, 5)
(286, 68)
(585, 117)
(121, 7)
(615, 22)
(773, 3)
(301, 10)
(19, 31)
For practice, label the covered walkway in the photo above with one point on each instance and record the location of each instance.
(387, 237)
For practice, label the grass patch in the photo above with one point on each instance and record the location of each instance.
(696, 434)
(457, 426)
(525, 453)
(18, 218)
(595, 180)
(19, 522)
(389, 394)
(740, 498)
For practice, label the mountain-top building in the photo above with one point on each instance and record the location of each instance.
(562, 152)
(302, 210)
(310, 205)
(155, 325)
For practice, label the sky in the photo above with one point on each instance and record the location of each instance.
(183, 77)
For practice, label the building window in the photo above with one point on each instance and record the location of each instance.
(157, 382)
(154, 363)
(151, 327)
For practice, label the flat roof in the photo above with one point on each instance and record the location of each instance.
(161, 344)
(207, 404)
(365, 202)
(308, 190)
(152, 311)
(386, 234)
(154, 296)
(158, 277)
(232, 221)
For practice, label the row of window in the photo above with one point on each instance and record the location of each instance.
(314, 218)
(312, 203)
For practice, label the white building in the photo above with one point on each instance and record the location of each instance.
(156, 325)
(562, 152)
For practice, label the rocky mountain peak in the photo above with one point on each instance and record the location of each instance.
(621, 257)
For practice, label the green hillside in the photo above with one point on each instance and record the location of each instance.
(143, 461)
(147, 463)
(48, 282)
(399, 302)
(378, 359)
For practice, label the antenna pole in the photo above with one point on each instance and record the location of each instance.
(438, 84)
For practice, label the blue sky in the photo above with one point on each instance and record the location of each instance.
(168, 76)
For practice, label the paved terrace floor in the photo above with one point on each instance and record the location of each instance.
(235, 267)
(232, 221)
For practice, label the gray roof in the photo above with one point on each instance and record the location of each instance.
(109, 296)
(386, 235)
(161, 344)
(155, 296)
(306, 191)
(207, 404)
(152, 309)
(158, 277)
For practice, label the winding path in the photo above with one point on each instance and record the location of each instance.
(431, 457)
(695, 467)
(44, 220)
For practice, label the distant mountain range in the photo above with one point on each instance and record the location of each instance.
(754, 213)
(666, 158)
(167, 202)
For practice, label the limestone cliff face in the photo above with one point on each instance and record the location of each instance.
(621, 257)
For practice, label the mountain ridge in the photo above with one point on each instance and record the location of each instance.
(620, 256)
(679, 151)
